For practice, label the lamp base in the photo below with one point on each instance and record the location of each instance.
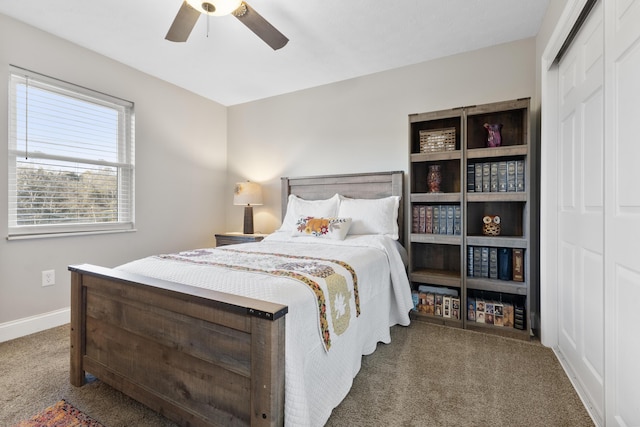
(248, 220)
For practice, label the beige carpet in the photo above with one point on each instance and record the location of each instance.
(428, 376)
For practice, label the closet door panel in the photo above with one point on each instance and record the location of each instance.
(581, 211)
(622, 215)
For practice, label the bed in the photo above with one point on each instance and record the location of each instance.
(202, 353)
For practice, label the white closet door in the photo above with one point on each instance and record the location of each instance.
(580, 240)
(622, 212)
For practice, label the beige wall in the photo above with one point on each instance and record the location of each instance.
(180, 173)
(190, 151)
(360, 125)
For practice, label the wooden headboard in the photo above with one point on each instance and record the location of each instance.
(358, 186)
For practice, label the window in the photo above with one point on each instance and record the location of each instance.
(71, 158)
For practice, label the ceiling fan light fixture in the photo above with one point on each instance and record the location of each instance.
(215, 7)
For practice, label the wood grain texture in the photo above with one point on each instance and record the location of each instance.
(373, 185)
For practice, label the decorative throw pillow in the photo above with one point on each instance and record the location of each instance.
(371, 216)
(330, 228)
(297, 208)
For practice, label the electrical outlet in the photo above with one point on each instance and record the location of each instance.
(48, 277)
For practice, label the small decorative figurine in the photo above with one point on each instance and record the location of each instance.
(494, 138)
(491, 225)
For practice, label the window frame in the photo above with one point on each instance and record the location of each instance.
(125, 164)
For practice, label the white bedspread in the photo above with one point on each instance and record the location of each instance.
(316, 380)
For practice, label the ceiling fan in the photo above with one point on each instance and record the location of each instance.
(191, 9)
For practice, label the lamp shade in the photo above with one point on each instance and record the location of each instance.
(247, 193)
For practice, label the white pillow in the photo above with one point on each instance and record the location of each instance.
(297, 208)
(371, 216)
(327, 228)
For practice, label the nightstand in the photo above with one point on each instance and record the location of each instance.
(235, 238)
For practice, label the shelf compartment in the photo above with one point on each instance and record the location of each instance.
(441, 258)
(450, 279)
(450, 170)
(432, 122)
(513, 115)
(511, 217)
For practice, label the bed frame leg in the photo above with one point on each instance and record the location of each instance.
(77, 344)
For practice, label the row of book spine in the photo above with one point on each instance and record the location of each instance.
(496, 313)
(502, 176)
(437, 219)
(495, 263)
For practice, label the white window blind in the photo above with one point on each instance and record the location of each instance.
(71, 158)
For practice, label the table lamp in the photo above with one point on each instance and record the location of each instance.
(247, 194)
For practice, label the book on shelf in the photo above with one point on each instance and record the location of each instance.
(422, 302)
(457, 220)
(435, 227)
(455, 308)
(480, 310)
(519, 175)
(477, 261)
(498, 314)
(428, 221)
(518, 265)
(438, 305)
(415, 219)
(493, 263)
(471, 309)
(507, 314)
(484, 263)
(486, 177)
(422, 219)
(505, 264)
(450, 217)
(502, 176)
(511, 175)
(494, 177)
(478, 177)
(519, 321)
(488, 312)
(430, 301)
(446, 306)
(470, 261)
(471, 177)
(415, 297)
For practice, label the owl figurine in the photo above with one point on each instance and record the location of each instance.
(491, 225)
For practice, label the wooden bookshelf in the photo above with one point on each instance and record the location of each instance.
(442, 260)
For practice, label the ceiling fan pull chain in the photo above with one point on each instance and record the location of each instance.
(208, 17)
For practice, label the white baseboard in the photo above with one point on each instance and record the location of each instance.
(29, 325)
(598, 421)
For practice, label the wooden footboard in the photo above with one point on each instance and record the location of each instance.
(199, 357)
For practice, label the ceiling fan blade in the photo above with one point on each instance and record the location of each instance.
(183, 23)
(260, 26)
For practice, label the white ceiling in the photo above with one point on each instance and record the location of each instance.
(330, 40)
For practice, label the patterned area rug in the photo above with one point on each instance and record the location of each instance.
(59, 415)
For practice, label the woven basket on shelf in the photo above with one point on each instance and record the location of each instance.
(437, 140)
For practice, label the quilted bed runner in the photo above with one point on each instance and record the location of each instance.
(334, 283)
